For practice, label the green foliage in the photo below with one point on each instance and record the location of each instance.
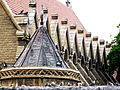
(114, 55)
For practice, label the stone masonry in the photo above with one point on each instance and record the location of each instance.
(8, 39)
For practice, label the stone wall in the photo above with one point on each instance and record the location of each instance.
(8, 39)
(37, 82)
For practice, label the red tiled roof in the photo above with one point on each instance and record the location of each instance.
(53, 6)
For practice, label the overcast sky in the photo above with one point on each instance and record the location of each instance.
(98, 16)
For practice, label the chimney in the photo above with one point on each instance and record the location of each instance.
(107, 45)
(95, 38)
(32, 8)
(31, 18)
(32, 4)
(54, 16)
(45, 10)
(102, 42)
(80, 31)
(88, 34)
(64, 21)
(73, 26)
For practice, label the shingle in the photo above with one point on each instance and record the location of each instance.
(53, 6)
(40, 51)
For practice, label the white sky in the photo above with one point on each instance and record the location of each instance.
(98, 16)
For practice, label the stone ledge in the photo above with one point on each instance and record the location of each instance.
(46, 72)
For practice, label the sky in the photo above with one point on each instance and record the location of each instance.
(100, 17)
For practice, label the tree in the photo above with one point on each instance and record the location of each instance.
(114, 56)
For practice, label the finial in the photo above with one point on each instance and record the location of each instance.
(41, 15)
(68, 3)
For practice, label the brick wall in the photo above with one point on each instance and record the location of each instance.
(8, 39)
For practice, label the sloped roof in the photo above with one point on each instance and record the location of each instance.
(9, 13)
(53, 6)
(40, 51)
